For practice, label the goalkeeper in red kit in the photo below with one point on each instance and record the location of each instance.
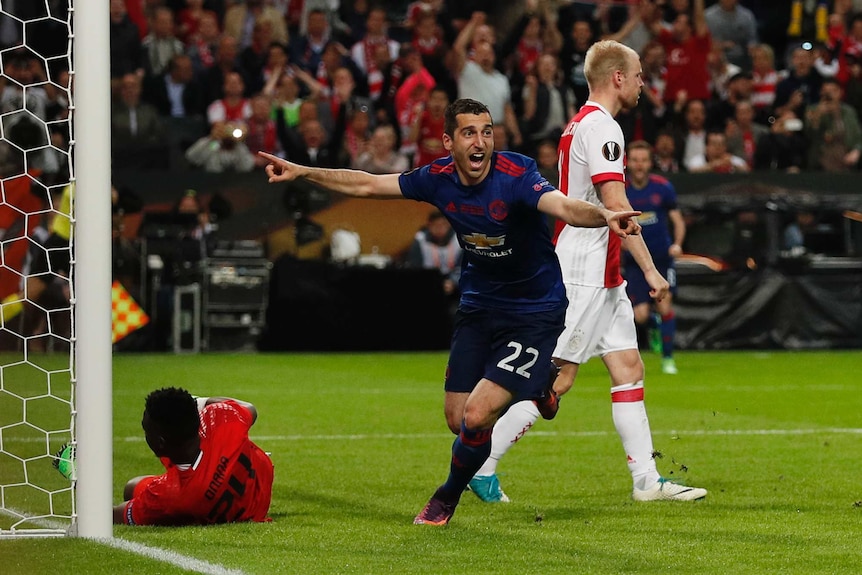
(213, 472)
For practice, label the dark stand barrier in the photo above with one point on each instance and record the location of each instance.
(323, 307)
(798, 305)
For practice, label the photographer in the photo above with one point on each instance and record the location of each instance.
(833, 132)
(224, 149)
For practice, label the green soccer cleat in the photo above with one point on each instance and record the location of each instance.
(64, 462)
(668, 366)
(487, 488)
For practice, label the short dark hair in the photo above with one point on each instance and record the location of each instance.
(174, 411)
(461, 106)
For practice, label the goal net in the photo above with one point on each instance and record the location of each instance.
(40, 278)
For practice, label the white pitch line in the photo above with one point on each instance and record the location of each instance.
(165, 556)
(674, 433)
(156, 553)
(535, 432)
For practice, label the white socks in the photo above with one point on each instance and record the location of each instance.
(507, 431)
(630, 419)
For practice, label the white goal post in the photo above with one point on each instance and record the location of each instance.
(50, 397)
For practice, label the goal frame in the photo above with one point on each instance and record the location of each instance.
(90, 151)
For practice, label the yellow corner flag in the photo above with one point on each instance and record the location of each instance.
(126, 314)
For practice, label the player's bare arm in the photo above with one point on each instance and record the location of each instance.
(678, 225)
(579, 213)
(613, 196)
(348, 182)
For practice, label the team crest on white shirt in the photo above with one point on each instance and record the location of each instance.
(611, 151)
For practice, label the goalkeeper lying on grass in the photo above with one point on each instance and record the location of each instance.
(213, 472)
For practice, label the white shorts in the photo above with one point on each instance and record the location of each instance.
(598, 321)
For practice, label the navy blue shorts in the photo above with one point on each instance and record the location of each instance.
(512, 350)
(637, 287)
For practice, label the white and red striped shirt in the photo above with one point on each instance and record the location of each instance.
(591, 151)
(763, 86)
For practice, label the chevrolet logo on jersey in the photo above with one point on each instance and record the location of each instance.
(648, 218)
(483, 242)
(482, 245)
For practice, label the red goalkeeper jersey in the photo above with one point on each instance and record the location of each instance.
(230, 481)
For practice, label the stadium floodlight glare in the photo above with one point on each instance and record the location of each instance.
(55, 382)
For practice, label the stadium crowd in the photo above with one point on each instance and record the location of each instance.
(731, 85)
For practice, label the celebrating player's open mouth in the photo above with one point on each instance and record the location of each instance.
(477, 160)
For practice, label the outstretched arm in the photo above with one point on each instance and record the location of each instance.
(348, 182)
(586, 215)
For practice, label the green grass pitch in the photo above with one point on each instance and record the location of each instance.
(360, 443)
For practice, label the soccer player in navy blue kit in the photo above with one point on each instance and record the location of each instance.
(512, 297)
(655, 197)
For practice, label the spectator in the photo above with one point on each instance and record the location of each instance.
(364, 52)
(644, 120)
(853, 89)
(547, 160)
(276, 64)
(262, 134)
(572, 57)
(801, 86)
(223, 150)
(833, 132)
(137, 131)
(22, 92)
(381, 156)
(548, 105)
(411, 96)
(764, 80)
(428, 129)
(720, 72)
(213, 79)
(692, 141)
(175, 94)
(233, 107)
(785, 147)
(125, 45)
(734, 31)
(283, 89)
(253, 57)
(357, 137)
(478, 78)
(240, 19)
(189, 20)
(344, 99)
(306, 49)
(436, 247)
(687, 44)
(160, 45)
(738, 89)
(539, 35)
(428, 41)
(716, 159)
(179, 100)
(203, 46)
(744, 135)
(664, 154)
(312, 147)
(637, 31)
(808, 21)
